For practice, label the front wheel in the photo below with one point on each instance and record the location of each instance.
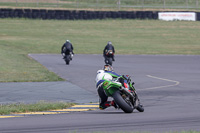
(140, 108)
(123, 102)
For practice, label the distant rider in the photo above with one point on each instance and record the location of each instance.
(67, 49)
(107, 48)
(102, 75)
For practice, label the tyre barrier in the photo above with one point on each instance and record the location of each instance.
(197, 16)
(76, 15)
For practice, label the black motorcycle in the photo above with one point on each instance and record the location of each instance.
(67, 57)
(109, 57)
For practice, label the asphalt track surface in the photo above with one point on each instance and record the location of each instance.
(168, 86)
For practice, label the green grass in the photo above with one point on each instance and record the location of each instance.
(104, 4)
(19, 37)
(6, 109)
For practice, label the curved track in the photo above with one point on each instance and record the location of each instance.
(168, 86)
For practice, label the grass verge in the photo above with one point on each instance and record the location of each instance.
(6, 109)
(103, 4)
(19, 37)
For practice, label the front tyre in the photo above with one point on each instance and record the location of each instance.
(140, 108)
(123, 103)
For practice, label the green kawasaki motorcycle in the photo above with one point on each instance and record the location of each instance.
(123, 93)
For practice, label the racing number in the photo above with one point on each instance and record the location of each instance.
(105, 84)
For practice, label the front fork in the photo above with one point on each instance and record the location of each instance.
(135, 99)
(131, 93)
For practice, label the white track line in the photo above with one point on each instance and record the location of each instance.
(158, 87)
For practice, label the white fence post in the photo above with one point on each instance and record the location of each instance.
(57, 3)
(16, 2)
(187, 4)
(164, 4)
(119, 4)
(97, 3)
(197, 3)
(77, 4)
(142, 4)
(37, 3)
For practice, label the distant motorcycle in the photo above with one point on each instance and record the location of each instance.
(123, 93)
(67, 57)
(109, 57)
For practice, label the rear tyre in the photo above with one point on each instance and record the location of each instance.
(67, 63)
(108, 60)
(67, 59)
(123, 103)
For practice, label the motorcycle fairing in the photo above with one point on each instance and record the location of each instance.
(99, 82)
(113, 74)
(110, 87)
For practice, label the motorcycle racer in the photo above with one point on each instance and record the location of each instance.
(67, 49)
(107, 74)
(109, 47)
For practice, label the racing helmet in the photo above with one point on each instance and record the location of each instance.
(68, 41)
(109, 43)
(107, 68)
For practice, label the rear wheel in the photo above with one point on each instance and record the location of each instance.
(67, 59)
(108, 60)
(67, 63)
(123, 102)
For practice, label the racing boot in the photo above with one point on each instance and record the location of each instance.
(113, 59)
(108, 104)
(63, 54)
(71, 55)
(114, 104)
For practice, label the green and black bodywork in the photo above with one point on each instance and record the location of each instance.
(123, 92)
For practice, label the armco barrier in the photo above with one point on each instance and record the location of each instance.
(76, 15)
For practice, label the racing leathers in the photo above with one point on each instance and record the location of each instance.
(100, 78)
(109, 47)
(67, 49)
